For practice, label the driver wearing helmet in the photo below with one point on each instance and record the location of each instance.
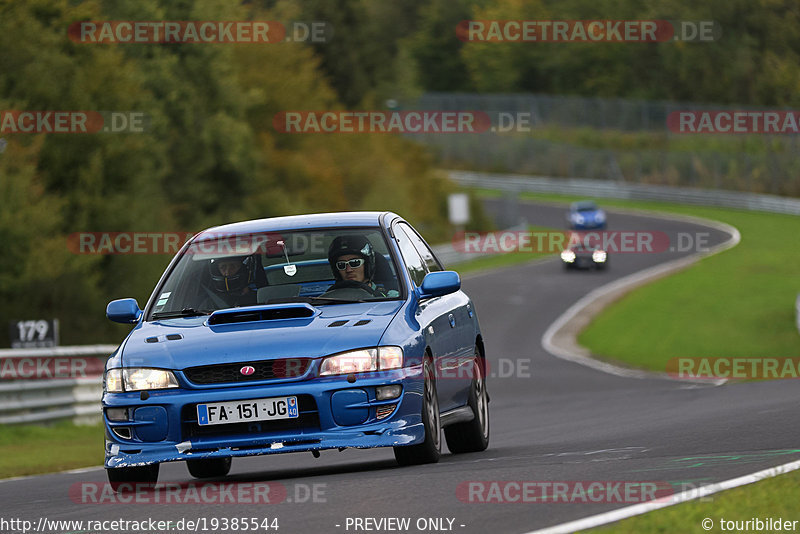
(233, 280)
(352, 260)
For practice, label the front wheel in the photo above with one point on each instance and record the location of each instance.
(472, 436)
(124, 479)
(429, 451)
(209, 467)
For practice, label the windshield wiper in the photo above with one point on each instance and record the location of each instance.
(186, 312)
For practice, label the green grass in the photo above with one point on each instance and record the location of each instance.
(739, 303)
(34, 449)
(497, 261)
(774, 497)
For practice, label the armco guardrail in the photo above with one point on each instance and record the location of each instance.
(27, 400)
(610, 189)
(30, 400)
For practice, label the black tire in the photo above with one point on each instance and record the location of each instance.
(124, 479)
(429, 451)
(472, 436)
(209, 467)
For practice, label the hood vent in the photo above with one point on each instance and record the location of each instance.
(337, 323)
(362, 322)
(261, 313)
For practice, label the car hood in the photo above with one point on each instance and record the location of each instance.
(188, 342)
(588, 215)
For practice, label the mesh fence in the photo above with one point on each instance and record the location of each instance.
(762, 172)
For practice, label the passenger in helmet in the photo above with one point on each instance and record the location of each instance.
(352, 260)
(233, 280)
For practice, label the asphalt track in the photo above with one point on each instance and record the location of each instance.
(551, 420)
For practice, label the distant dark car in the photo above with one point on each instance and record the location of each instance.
(585, 215)
(579, 256)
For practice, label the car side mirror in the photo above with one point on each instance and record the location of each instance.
(439, 283)
(124, 311)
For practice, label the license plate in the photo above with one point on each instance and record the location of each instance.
(220, 413)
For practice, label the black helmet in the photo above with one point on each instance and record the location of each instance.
(352, 244)
(243, 277)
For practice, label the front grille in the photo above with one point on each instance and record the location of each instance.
(227, 373)
(307, 421)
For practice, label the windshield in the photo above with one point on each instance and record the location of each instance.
(234, 270)
(586, 206)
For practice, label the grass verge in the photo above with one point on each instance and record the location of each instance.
(739, 303)
(496, 261)
(31, 449)
(772, 498)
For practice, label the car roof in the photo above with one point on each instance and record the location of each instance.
(584, 204)
(301, 222)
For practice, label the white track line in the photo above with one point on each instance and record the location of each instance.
(689, 495)
(67, 472)
(632, 280)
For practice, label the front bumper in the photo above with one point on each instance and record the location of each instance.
(333, 413)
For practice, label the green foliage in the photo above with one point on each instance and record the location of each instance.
(755, 61)
(210, 154)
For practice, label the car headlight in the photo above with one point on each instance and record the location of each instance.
(362, 361)
(599, 256)
(138, 379)
(600, 217)
(579, 218)
(568, 256)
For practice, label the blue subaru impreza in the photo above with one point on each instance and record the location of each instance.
(295, 334)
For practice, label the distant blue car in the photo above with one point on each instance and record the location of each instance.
(585, 215)
(295, 334)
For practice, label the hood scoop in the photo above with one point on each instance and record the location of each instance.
(274, 312)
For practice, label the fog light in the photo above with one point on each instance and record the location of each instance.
(117, 414)
(388, 392)
(385, 411)
(122, 431)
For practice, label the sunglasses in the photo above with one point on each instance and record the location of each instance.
(355, 263)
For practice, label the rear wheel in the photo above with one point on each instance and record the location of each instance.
(472, 436)
(430, 450)
(209, 467)
(124, 479)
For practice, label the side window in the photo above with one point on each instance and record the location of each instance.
(416, 269)
(422, 248)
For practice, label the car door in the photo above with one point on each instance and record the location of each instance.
(453, 340)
